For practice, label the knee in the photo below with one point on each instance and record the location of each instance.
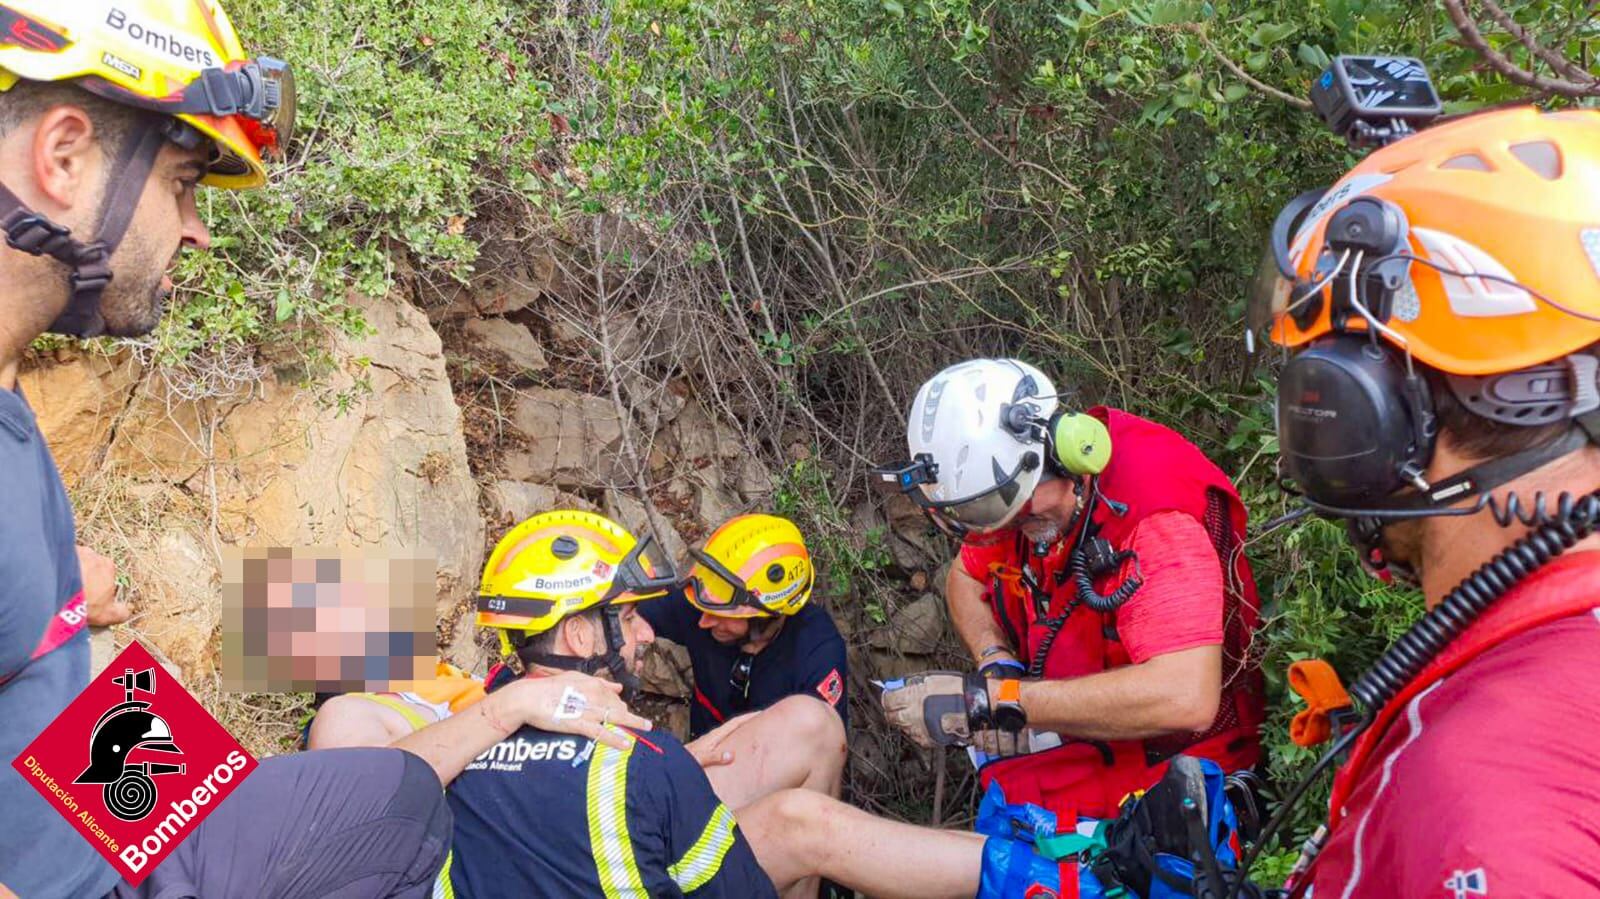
(789, 834)
(814, 722)
(798, 814)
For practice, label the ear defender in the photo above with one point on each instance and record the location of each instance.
(1080, 443)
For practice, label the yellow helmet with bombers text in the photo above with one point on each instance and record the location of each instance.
(179, 61)
(753, 566)
(178, 57)
(559, 564)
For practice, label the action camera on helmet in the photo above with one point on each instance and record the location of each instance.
(1375, 99)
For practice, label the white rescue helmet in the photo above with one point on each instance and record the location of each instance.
(977, 443)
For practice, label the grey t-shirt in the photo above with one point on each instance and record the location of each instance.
(40, 854)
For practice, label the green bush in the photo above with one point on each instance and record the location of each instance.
(857, 192)
(413, 116)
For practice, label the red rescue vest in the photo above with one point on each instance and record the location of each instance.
(1510, 616)
(1152, 470)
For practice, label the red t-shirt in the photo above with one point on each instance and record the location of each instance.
(1180, 605)
(1489, 783)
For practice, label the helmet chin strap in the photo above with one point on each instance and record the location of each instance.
(89, 263)
(1366, 524)
(763, 629)
(611, 661)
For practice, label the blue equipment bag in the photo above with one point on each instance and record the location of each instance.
(1027, 857)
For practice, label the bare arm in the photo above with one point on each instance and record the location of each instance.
(1177, 692)
(350, 720)
(448, 745)
(970, 615)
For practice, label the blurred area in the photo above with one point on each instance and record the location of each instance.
(325, 621)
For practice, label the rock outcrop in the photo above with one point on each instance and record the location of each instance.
(372, 456)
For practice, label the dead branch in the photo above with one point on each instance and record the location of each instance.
(1558, 63)
(1199, 31)
(1503, 64)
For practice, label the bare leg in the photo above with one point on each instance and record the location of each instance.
(798, 742)
(799, 835)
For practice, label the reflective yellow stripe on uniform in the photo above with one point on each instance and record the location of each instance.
(704, 858)
(416, 719)
(442, 889)
(608, 823)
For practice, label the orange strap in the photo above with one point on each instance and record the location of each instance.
(1010, 691)
(1318, 684)
(1009, 575)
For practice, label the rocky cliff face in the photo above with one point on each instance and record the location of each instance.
(394, 445)
(372, 457)
(549, 427)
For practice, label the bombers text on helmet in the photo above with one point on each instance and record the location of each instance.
(752, 566)
(559, 564)
(179, 59)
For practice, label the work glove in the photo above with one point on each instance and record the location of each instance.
(948, 708)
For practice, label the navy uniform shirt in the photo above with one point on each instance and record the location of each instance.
(543, 814)
(807, 657)
(40, 605)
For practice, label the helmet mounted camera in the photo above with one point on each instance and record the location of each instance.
(1375, 100)
(1355, 417)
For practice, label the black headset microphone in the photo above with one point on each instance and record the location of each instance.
(1077, 447)
(1355, 422)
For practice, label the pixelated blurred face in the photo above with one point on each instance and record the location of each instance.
(327, 621)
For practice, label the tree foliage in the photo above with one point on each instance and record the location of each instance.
(850, 194)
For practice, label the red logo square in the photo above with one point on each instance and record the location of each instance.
(134, 763)
(832, 687)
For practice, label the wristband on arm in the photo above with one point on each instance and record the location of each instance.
(994, 649)
(1006, 706)
(999, 669)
